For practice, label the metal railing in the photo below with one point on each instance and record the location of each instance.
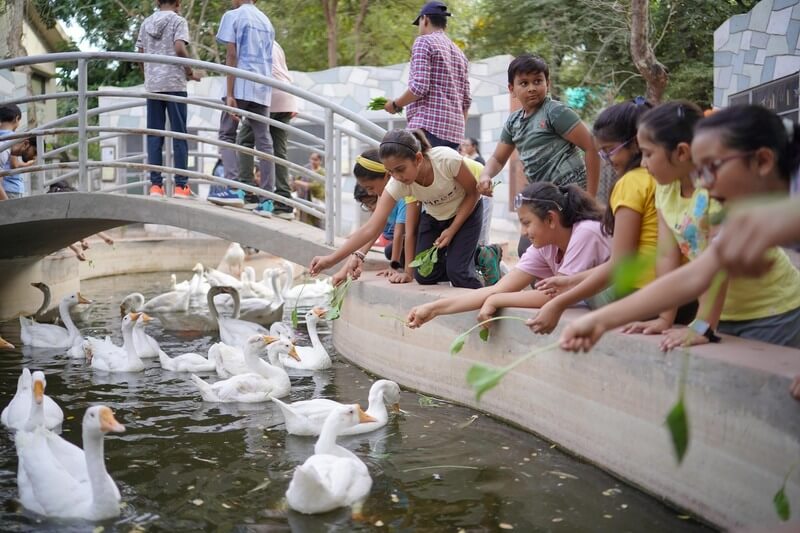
(334, 131)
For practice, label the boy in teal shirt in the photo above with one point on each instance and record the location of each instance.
(546, 133)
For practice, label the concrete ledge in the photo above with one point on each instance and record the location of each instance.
(607, 406)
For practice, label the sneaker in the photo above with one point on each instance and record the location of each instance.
(488, 261)
(182, 191)
(264, 209)
(285, 215)
(225, 196)
(157, 191)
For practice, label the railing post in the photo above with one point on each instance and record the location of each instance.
(38, 179)
(337, 159)
(84, 180)
(330, 213)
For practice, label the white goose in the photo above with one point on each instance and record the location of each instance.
(317, 292)
(262, 383)
(188, 362)
(307, 417)
(75, 485)
(106, 356)
(314, 357)
(217, 278)
(144, 345)
(5, 345)
(232, 360)
(52, 336)
(263, 311)
(46, 296)
(334, 476)
(233, 261)
(282, 330)
(232, 331)
(18, 411)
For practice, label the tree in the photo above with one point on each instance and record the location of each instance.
(653, 72)
(329, 7)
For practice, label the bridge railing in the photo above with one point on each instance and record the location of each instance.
(364, 131)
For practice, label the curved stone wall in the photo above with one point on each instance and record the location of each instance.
(607, 406)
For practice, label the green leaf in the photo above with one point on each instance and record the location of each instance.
(483, 378)
(425, 260)
(377, 103)
(458, 343)
(628, 271)
(678, 426)
(337, 299)
(484, 334)
(295, 321)
(435, 255)
(782, 504)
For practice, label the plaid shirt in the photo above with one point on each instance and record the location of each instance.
(439, 74)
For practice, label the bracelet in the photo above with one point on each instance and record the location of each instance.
(360, 255)
(394, 106)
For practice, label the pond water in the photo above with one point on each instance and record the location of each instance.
(187, 465)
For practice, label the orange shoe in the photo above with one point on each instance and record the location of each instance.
(157, 190)
(182, 192)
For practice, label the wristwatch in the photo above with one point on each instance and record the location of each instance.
(701, 327)
(394, 107)
(396, 265)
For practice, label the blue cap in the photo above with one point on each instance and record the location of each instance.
(432, 8)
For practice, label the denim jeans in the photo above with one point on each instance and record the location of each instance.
(157, 111)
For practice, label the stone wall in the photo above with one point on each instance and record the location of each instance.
(756, 47)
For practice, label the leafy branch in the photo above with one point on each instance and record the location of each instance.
(425, 260)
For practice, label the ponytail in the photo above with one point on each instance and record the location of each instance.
(671, 124)
(750, 127)
(571, 202)
(404, 144)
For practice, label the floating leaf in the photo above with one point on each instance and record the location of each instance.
(484, 378)
(782, 504)
(484, 334)
(458, 343)
(678, 426)
(426, 401)
(628, 271)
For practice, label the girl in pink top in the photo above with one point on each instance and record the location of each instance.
(565, 229)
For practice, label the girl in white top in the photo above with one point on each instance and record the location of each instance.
(440, 180)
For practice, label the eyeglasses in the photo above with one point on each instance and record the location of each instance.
(706, 175)
(606, 155)
(520, 199)
(368, 204)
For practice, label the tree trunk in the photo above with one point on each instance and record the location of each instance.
(16, 16)
(330, 6)
(362, 14)
(654, 73)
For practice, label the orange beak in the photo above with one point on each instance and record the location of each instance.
(108, 422)
(364, 417)
(293, 353)
(146, 318)
(269, 339)
(38, 391)
(5, 345)
(396, 408)
(320, 312)
(82, 300)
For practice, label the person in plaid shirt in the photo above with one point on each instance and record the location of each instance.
(437, 99)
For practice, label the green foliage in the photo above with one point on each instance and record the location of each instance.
(458, 342)
(337, 299)
(782, 504)
(678, 425)
(628, 271)
(484, 378)
(425, 260)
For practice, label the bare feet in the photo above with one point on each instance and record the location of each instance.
(78, 252)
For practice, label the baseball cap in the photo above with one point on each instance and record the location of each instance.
(432, 8)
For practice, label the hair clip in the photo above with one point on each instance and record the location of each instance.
(639, 100)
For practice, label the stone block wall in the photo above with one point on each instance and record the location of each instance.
(756, 47)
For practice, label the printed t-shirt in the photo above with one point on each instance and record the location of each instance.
(157, 36)
(587, 248)
(442, 197)
(636, 190)
(687, 218)
(397, 216)
(539, 138)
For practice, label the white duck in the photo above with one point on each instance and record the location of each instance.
(317, 292)
(282, 330)
(233, 261)
(221, 279)
(5, 345)
(106, 356)
(232, 331)
(334, 476)
(144, 345)
(72, 485)
(188, 362)
(232, 360)
(307, 417)
(18, 411)
(263, 311)
(174, 301)
(314, 357)
(262, 383)
(52, 336)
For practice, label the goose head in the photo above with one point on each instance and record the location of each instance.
(315, 315)
(131, 303)
(346, 416)
(173, 281)
(39, 384)
(99, 419)
(25, 381)
(248, 274)
(257, 344)
(74, 299)
(279, 346)
(141, 320)
(5, 345)
(391, 393)
(41, 286)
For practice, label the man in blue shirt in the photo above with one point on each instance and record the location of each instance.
(248, 36)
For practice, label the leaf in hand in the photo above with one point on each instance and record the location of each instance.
(458, 343)
(484, 334)
(377, 103)
(483, 378)
(678, 426)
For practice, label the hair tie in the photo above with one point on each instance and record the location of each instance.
(639, 100)
(415, 150)
(369, 164)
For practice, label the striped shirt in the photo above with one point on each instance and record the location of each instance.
(439, 74)
(252, 33)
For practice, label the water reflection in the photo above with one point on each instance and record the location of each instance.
(188, 465)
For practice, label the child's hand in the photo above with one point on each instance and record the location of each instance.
(648, 327)
(742, 246)
(582, 334)
(546, 319)
(419, 315)
(487, 311)
(320, 263)
(444, 238)
(400, 277)
(351, 268)
(675, 338)
(230, 101)
(555, 285)
(485, 186)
